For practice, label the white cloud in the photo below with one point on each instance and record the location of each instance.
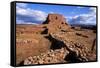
(23, 22)
(30, 15)
(93, 11)
(88, 18)
(51, 12)
(23, 5)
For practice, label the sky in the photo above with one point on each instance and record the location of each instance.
(29, 13)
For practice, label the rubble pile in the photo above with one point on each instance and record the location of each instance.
(80, 51)
(52, 56)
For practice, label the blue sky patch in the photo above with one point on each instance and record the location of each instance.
(28, 13)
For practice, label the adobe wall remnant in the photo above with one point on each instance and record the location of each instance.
(53, 18)
(56, 22)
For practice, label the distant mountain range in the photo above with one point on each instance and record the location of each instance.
(94, 27)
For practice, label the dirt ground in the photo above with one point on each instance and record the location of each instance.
(30, 41)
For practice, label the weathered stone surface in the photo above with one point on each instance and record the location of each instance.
(53, 18)
(72, 52)
(52, 56)
(56, 22)
(78, 49)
